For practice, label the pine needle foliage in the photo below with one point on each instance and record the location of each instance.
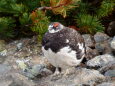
(106, 8)
(40, 23)
(19, 11)
(89, 24)
(89, 17)
(6, 25)
(24, 15)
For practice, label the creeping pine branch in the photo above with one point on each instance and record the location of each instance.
(50, 8)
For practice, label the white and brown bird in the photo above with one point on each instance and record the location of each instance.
(63, 47)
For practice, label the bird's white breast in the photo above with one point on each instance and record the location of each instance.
(65, 58)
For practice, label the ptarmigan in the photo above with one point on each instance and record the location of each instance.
(63, 47)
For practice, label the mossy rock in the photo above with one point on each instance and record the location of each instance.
(2, 45)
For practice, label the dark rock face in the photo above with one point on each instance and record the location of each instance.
(111, 29)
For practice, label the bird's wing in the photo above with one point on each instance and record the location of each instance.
(76, 42)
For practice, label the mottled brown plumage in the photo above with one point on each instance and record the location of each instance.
(62, 46)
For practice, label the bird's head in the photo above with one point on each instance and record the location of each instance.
(55, 27)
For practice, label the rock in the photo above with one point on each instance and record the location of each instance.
(103, 47)
(37, 70)
(22, 64)
(107, 84)
(2, 59)
(11, 77)
(100, 37)
(100, 60)
(80, 77)
(89, 41)
(20, 80)
(15, 79)
(4, 69)
(107, 67)
(3, 53)
(110, 73)
(32, 72)
(113, 43)
(19, 46)
(6, 80)
(111, 28)
(91, 53)
(89, 77)
(102, 43)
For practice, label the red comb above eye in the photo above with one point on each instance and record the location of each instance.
(55, 24)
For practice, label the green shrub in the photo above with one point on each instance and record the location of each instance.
(40, 23)
(89, 17)
(6, 27)
(24, 17)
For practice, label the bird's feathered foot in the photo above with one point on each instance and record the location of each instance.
(56, 74)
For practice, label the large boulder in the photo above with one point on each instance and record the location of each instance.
(100, 60)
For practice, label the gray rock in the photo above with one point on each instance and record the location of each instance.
(2, 59)
(79, 77)
(108, 66)
(89, 77)
(113, 43)
(11, 77)
(89, 41)
(3, 53)
(20, 80)
(4, 69)
(102, 43)
(5, 79)
(103, 47)
(91, 53)
(110, 73)
(107, 84)
(15, 79)
(37, 70)
(100, 60)
(19, 46)
(100, 37)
